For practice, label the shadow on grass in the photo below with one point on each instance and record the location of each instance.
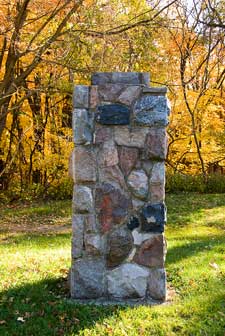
(40, 309)
(194, 246)
(45, 309)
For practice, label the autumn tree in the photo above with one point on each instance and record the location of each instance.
(199, 55)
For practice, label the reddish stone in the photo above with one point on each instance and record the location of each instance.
(128, 157)
(151, 252)
(94, 100)
(111, 205)
(156, 144)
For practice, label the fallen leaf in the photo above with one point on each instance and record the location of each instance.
(2, 322)
(214, 265)
(20, 319)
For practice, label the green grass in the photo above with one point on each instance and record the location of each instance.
(35, 257)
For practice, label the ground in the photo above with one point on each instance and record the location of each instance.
(35, 258)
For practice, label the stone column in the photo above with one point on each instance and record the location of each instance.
(118, 244)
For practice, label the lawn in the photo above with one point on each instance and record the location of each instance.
(35, 257)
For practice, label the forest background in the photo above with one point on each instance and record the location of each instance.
(48, 46)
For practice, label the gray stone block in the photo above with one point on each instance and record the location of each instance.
(135, 78)
(87, 278)
(81, 96)
(129, 94)
(82, 199)
(94, 244)
(157, 284)
(138, 183)
(135, 137)
(78, 226)
(84, 164)
(127, 281)
(82, 126)
(158, 173)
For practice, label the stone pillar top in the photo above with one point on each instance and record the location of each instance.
(132, 78)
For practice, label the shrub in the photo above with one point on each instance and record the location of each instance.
(180, 182)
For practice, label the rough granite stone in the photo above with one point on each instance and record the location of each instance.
(87, 278)
(158, 173)
(94, 98)
(135, 137)
(129, 95)
(94, 244)
(138, 183)
(112, 175)
(82, 127)
(78, 222)
(91, 224)
(157, 193)
(157, 284)
(151, 111)
(113, 114)
(110, 92)
(102, 134)
(119, 245)
(128, 157)
(156, 144)
(126, 77)
(108, 155)
(135, 78)
(127, 281)
(151, 252)
(153, 217)
(85, 164)
(71, 163)
(137, 203)
(81, 96)
(111, 206)
(147, 166)
(82, 199)
(101, 78)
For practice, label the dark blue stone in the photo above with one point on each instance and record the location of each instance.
(133, 223)
(113, 114)
(153, 217)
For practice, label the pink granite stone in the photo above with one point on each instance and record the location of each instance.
(112, 175)
(108, 155)
(94, 99)
(128, 157)
(156, 144)
(102, 134)
(152, 252)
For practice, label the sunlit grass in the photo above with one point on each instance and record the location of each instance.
(34, 267)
